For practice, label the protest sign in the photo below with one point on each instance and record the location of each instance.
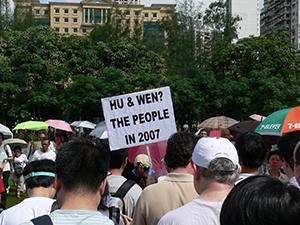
(139, 118)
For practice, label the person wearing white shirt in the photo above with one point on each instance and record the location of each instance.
(7, 157)
(39, 179)
(44, 152)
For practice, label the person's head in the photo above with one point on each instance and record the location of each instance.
(274, 160)
(42, 136)
(142, 167)
(81, 168)
(252, 149)
(1, 138)
(215, 159)
(118, 158)
(296, 162)
(203, 133)
(261, 200)
(225, 133)
(45, 144)
(17, 151)
(286, 145)
(180, 149)
(40, 173)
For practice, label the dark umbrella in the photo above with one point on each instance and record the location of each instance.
(244, 126)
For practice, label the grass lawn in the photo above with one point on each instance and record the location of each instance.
(11, 196)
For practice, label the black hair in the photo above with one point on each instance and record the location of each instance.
(297, 154)
(276, 152)
(286, 145)
(117, 157)
(1, 134)
(46, 139)
(252, 149)
(82, 166)
(203, 129)
(18, 147)
(44, 165)
(180, 148)
(261, 200)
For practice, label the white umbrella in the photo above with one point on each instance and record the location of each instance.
(98, 131)
(5, 130)
(12, 142)
(84, 124)
(257, 117)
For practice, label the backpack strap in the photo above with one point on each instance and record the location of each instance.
(122, 191)
(42, 220)
(124, 188)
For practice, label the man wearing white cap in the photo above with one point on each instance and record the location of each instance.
(215, 164)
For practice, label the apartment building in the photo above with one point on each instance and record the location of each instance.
(281, 13)
(248, 10)
(80, 18)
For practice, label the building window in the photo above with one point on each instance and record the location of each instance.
(136, 13)
(46, 12)
(66, 30)
(146, 14)
(56, 19)
(75, 30)
(75, 11)
(119, 12)
(66, 11)
(56, 10)
(154, 15)
(37, 11)
(128, 21)
(75, 20)
(57, 29)
(66, 20)
(128, 13)
(83, 30)
(119, 21)
(136, 22)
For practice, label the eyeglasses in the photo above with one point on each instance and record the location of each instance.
(293, 162)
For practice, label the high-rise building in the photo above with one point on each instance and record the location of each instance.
(248, 10)
(281, 13)
(80, 18)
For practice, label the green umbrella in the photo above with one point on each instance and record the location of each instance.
(31, 125)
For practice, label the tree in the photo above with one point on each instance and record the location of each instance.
(35, 67)
(183, 39)
(262, 74)
(224, 30)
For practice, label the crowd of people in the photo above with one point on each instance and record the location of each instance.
(210, 180)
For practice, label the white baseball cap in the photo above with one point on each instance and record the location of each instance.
(209, 148)
(142, 158)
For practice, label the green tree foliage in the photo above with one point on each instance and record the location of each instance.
(262, 74)
(183, 39)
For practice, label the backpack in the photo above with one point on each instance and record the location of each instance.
(45, 219)
(122, 191)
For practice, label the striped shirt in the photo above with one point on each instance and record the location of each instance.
(77, 217)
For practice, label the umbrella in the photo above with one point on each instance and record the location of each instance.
(84, 124)
(59, 124)
(257, 117)
(218, 122)
(12, 142)
(5, 130)
(98, 131)
(280, 122)
(244, 126)
(31, 125)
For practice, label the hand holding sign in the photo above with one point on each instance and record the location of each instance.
(139, 118)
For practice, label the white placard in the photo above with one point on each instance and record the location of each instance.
(139, 118)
